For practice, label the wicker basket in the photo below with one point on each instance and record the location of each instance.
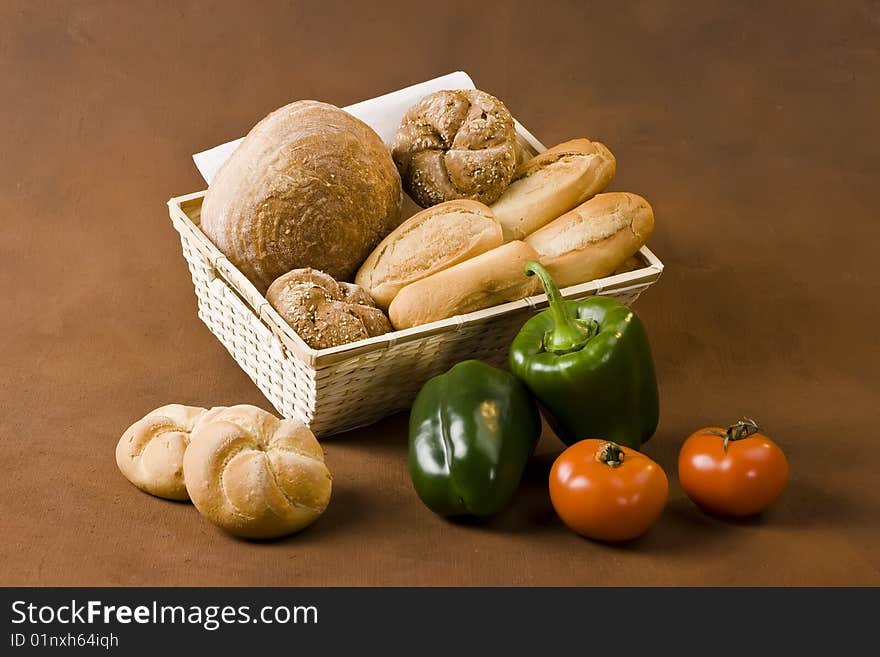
(355, 384)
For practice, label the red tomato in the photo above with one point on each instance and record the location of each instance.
(733, 472)
(606, 491)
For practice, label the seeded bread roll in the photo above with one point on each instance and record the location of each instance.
(310, 186)
(254, 475)
(552, 183)
(486, 280)
(595, 238)
(456, 145)
(323, 312)
(150, 452)
(427, 242)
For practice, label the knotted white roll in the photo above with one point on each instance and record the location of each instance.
(150, 452)
(254, 475)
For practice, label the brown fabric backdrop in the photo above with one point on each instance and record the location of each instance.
(751, 128)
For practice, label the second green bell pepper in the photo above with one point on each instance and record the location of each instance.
(589, 364)
(471, 432)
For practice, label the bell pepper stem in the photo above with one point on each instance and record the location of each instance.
(568, 334)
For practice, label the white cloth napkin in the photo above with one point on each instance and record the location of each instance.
(382, 114)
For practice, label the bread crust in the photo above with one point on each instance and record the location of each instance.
(150, 452)
(310, 186)
(595, 238)
(486, 280)
(256, 476)
(456, 144)
(551, 184)
(429, 241)
(323, 312)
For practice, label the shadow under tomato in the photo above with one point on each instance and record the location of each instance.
(803, 504)
(683, 528)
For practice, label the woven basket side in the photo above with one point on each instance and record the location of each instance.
(358, 390)
(351, 390)
(287, 383)
(365, 388)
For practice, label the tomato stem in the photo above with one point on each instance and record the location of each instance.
(738, 430)
(611, 454)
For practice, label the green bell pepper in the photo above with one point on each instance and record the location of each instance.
(589, 364)
(471, 432)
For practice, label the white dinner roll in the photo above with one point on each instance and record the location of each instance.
(254, 475)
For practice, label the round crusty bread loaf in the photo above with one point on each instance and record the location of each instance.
(310, 186)
(254, 475)
(456, 144)
(430, 240)
(150, 452)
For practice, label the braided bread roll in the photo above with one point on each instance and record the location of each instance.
(150, 452)
(325, 312)
(456, 145)
(254, 475)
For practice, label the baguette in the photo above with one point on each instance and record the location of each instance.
(427, 242)
(595, 238)
(553, 183)
(494, 277)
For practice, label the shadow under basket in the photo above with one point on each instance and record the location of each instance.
(355, 384)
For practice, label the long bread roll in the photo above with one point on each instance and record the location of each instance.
(494, 277)
(595, 238)
(427, 242)
(552, 183)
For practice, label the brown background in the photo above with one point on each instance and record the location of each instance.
(752, 130)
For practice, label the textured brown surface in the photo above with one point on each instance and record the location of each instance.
(751, 130)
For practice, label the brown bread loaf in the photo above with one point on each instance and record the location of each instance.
(323, 312)
(310, 186)
(456, 145)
